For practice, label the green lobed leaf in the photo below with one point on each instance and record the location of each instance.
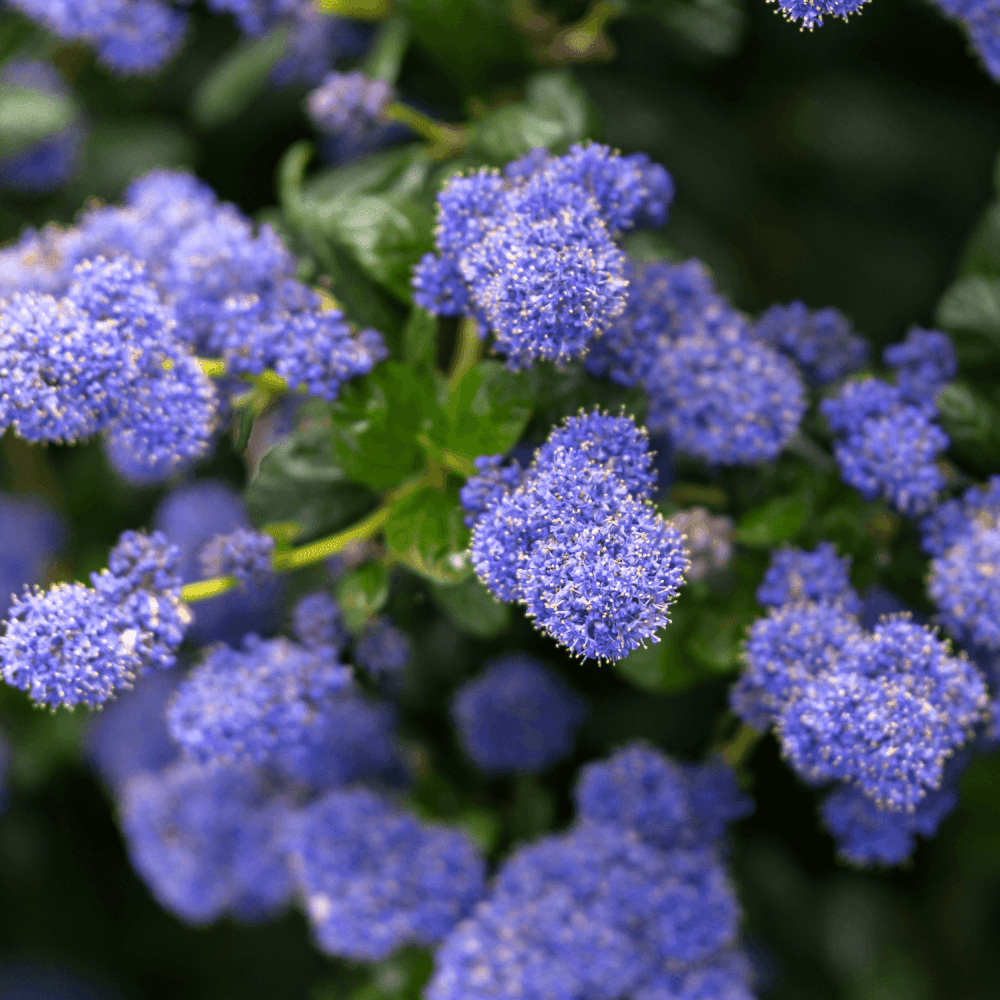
(472, 608)
(299, 480)
(485, 414)
(661, 667)
(236, 79)
(27, 116)
(972, 422)
(555, 113)
(426, 532)
(775, 521)
(361, 594)
(970, 311)
(376, 422)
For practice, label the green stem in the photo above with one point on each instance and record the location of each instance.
(359, 10)
(586, 38)
(734, 751)
(385, 59)
(468, 351)
(445, 140)
(306, 555)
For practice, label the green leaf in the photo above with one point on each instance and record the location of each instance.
(385, 58)
(361, 594)
(982, 253)
(775, 521)
(27, 116)
(376, 422)
(299, 480)
(374, 173)
(970, 311)
(555, 113)
(419, 337)
(427, 533)
(473, 608)
(485, 414)
(972, 423)
(717, 639)
(661, 666)
(714, 26)
(236, 79)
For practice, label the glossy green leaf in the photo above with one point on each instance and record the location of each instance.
(970, 311)
(982, 253)
(485, 414)
(362, 593)
(661, 667)
(972, 422)
(299, 480)
(775, 521)
(473, 608)
(376, 422)
(27, 116)
(427, 533)
(555, 114)
(419, 337)
(236, 79)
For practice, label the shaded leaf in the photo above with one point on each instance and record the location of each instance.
(473, 608)
(361, 594)
(427, 533)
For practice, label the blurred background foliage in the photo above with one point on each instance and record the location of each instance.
(849, 167)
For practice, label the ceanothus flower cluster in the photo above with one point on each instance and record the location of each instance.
(240, 553)
(715, 391)
(531, 253)
(579, 543)
(616, 906)
(810, 13)
(517, 716)
(980, 19)
(74, 644)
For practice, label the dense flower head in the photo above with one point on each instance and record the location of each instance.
(49, 163)
(311, 348)
(950, 521)
(129, 735)
(31, 534)
(256, 704)
(820, 342)
(725, 398)
(867, 836)
(979, 18)
(924, 362)
(964, 583)
(783, 652)
(517, 716)
(530, 253)
(349, 104)
(190, 516)
(143, 582)
(669, 805)
(886, 714)
(886, 446)
(382, 649)
(592, 914)
(595, 567)
(795, 575)
(708, 540)
(130, 37)
(374, 878)
(493, 479)
(240, 553)
(318, 621)
(206, 840)
(665, 301)
(810, 13)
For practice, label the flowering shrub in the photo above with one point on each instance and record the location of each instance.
(483, 524)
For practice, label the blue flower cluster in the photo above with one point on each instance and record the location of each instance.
(820, 342)
(964, 538)
(49, 163)
(821, 575)
(240, 553)
(882, 712)
(604, 910)
(810, 13)
(924, 363)
(717, 392)
(318, 621)
(75, 644)
(517, 716)
(531, 254)
(382, 650)
(374, 878)
(886, 445)
(980, 20)
(221, 288)
(580, 544)
(105, 358)
(31, 534)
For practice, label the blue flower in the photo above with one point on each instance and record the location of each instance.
(979, 18)
(207, 841)
(240, 553)
(382, 649)
(820, 342)
(925, 362)
(886, 446)
(796, 575)
(492, 481)
(318, 621)
(811, 12)
(374, 878)
(950, 521)
(516, 716)
(350, 108)
(596, 567)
